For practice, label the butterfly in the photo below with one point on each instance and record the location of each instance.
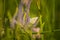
(33, 20)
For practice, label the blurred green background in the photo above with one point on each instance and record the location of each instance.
(49, 9)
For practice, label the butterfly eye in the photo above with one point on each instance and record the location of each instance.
(33, 20)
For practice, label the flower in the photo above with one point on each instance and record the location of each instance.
(35, 29)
